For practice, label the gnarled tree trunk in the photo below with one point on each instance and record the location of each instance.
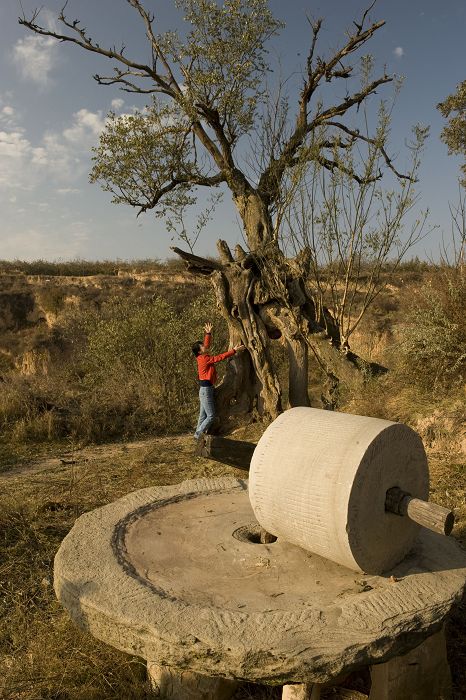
(263, 300)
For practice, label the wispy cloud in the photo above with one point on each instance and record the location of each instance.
(36, 56)
(399, 52)
(15, 153)
(61, 156)
(68, 190)
(8, 114)
(117, 104)
(86, 126)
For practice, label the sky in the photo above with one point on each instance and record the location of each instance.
(52, 112)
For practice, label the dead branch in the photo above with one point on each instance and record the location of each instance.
(196, 264)
(83, 40)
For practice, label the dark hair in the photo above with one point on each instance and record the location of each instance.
(196, 348)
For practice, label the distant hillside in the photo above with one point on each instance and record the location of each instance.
(31, 305)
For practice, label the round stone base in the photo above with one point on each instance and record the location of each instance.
(171, 575)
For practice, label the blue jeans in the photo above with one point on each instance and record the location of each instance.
(207, 409)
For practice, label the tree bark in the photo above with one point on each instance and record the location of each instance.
(263, 299)
(256, 218)
(250, 383)
(298, 373)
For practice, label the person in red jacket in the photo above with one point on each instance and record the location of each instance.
(207, 377)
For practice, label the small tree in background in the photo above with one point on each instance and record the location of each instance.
(209, 96)
(453, 108)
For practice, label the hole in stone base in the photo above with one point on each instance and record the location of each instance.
(254, 534)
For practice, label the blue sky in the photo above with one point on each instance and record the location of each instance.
(52, 111)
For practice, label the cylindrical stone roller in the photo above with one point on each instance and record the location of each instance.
(319, 479)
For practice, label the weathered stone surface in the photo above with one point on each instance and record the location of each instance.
(421, 674)
(185, 685)
(159, 574)
(301, 691)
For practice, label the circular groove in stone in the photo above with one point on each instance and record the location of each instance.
(271, 638)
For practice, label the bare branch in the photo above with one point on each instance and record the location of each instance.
(148, 21)
(316, 26)
(326, 68)
(85, 41)
(356, 99)
(357, 135)
(177, 182)
(164, 84)
(271, 177)
(332, 165)
(130, 87)
(366, 12)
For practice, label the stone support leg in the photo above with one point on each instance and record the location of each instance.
(174, 684)
(301, 691)
(421, 674)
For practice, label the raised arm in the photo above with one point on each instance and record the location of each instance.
(207, 334)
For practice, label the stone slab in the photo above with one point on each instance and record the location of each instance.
(160, 574)
(421, 674)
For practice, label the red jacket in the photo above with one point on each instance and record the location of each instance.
(206, 363)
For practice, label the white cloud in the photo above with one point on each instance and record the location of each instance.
(68, 190)
(117, 104)
(8, 117)
(35, 56)
(62, 157)
(398, 52)
(15, 153)
(85, 127)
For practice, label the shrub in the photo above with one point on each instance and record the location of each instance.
(145, 349)
(52, 299)
(433, 337)
(77, 267)
(128, 370)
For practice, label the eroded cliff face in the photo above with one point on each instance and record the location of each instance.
(32, 307)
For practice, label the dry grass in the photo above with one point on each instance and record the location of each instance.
(44, 487)
(43, 655)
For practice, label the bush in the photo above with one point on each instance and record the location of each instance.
(141, 353)
(77, 268)
(128, 371)
(52, 299)
(433, 337)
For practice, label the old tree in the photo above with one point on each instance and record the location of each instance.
(303, 174)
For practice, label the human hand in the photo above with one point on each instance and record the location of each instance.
(208, 328)
(240, 346)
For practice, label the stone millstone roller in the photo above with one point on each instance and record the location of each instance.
(346, 487)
